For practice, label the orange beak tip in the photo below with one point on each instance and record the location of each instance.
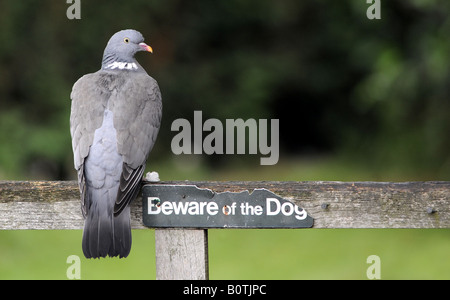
(146, 47)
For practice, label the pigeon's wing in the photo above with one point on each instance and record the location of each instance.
(88, 105)
(137, 117)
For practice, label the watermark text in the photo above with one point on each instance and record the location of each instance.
(228, 139)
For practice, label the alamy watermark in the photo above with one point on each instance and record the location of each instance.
(227, 139)
(74, 10)
(74, 270)
(374, 10)
(374, 270)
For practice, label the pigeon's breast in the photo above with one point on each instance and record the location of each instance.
(103, 165)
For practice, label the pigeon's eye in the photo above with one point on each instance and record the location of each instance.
(126, 40)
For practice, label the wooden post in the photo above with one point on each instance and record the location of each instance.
(181, 254)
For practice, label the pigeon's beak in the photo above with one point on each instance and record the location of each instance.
(146, 47)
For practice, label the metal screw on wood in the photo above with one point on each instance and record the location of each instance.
(430, 210)
(324, 205)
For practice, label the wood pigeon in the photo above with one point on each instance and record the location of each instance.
(114, 121)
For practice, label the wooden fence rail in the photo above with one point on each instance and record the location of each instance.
(56, 205)
(183, 254)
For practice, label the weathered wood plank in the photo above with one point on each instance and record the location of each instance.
(361, 204)
(55, 204)
(181, 254)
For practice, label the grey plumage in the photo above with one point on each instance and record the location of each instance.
(114, 121)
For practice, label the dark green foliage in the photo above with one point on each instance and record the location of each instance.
(373, 90)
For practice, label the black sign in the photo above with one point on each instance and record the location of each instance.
(187, 206)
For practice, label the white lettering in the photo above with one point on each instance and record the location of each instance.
(181, 142)
(246, 289)
(213, 143)
(240, 126)
(212, 208)
(183, 208)
(74, 10)
(247, 209)
(264, 148)
(166, 208)
(374, 10)
(274, 207)
(374, 270)
(180, 207)
(300, 213)
(202, 290)
(271, 212)
(193, 208)
(153, 208)
(74, 270)
(198, 132)
(216, 136)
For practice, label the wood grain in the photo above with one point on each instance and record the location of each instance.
(181, 254)
(56, 205)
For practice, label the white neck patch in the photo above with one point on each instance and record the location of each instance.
(122, 65)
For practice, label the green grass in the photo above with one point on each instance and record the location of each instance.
(329, 253)
(42, 254)
(243, 254)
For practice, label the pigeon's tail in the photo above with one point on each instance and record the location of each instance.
(103, 233)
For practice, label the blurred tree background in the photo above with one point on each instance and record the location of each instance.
(371, 93)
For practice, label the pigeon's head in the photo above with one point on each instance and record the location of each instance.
(123, 45)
